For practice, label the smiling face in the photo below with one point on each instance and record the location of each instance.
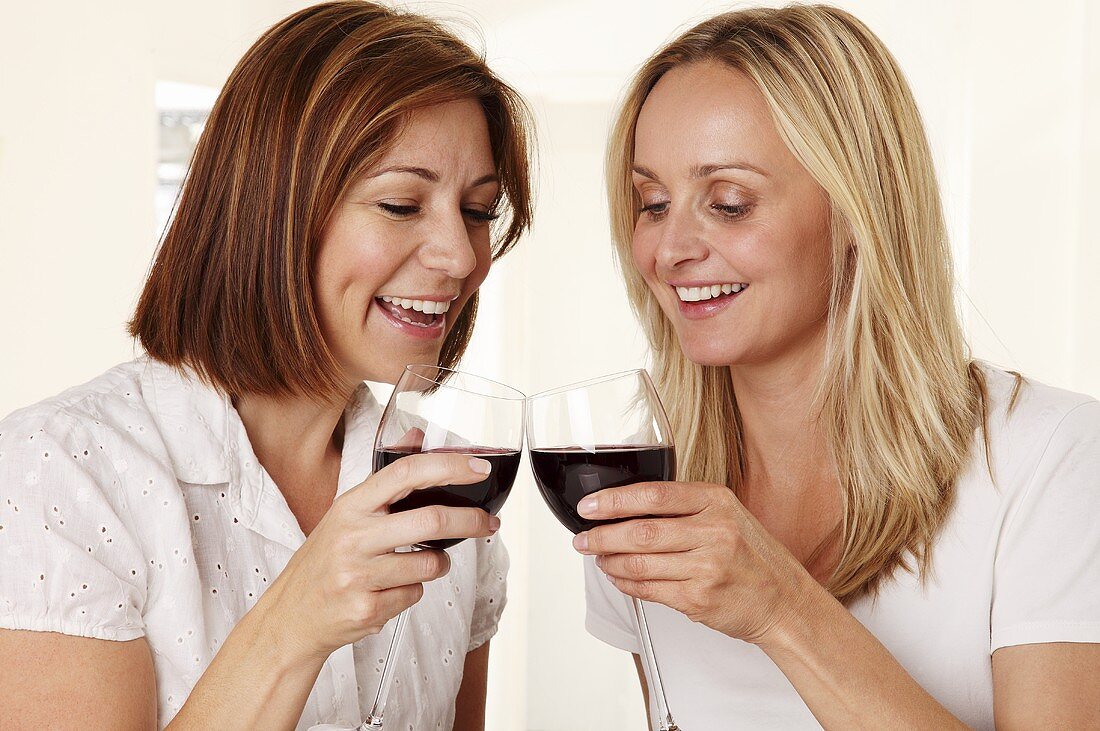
(408, 245)
(733, 237)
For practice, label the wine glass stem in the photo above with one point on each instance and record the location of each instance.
(374, 720)
(664, 716)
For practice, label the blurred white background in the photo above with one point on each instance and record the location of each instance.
(95, 99)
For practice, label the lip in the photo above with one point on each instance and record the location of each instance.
(423, 297)
(703, 309)
(702, 283)
(420, 333)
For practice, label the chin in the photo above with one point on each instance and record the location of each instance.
(710, 353)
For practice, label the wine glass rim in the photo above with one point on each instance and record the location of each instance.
(591, 382)
(410, 368)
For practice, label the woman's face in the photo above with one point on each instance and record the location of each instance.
(733, 238)
(408, 245)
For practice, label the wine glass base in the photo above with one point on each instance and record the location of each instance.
(373, 723)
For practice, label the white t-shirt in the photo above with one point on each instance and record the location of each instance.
(1017, 562)
(134, 506)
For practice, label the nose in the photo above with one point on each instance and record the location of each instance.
(681, 243)
(449, 248)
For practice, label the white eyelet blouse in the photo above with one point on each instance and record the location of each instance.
(134, 506)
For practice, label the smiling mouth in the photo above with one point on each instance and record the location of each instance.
(425, 314)
(710, 292)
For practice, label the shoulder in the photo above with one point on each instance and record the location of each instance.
(1022, 411)
(94, 429)
(1030, 423)
(97, 403)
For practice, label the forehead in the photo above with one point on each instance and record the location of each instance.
(454, 133)
(702, 112)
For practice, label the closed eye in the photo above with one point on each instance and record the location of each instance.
(399, 211)
(479, 216)
(739, 211)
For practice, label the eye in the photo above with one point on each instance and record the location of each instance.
(732, 212)
(480, 217)
(399, 211)
(654, 211)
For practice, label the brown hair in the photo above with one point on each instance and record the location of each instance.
(313, 104)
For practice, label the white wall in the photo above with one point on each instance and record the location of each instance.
(1009, 96)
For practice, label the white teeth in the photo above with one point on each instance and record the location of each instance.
(697, 294)
(428, 307)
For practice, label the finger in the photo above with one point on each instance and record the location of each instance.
(415, 567)
(391, 602)
(416, 472)
(662, 592)
(649, 566)
(644, 498)
(641, 535)
(434, 522)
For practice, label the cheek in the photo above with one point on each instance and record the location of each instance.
(643, 251)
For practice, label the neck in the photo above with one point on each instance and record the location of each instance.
(790, 482)
(781, 429)
(292, 436)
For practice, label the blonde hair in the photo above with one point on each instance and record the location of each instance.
(900, 399)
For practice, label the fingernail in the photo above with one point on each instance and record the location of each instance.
(494, 523)
(587, 506)
(580, 542)
(480, 466)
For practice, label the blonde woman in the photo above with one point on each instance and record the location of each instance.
(874, 530)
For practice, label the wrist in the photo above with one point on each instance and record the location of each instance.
(273, 636)
(798, 620)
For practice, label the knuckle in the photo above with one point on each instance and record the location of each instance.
(644, 590)
(344, 544)
(402, 470)
(433, 520)
(657, 496)
(693, 606)
(635, 565)
(366, 609)
(433, 564)
(415, 594)
(646, 533)
(344, 581)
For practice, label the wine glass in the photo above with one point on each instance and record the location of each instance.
(439, 410)
(606, 432)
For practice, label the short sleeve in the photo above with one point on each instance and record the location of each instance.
(67, 562)
(609, 616)
(491, 592)
(1046, 577)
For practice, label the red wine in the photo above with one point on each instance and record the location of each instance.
(566, 475)
(489, 494)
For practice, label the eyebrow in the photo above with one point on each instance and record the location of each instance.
(697, 172)
(430, 175)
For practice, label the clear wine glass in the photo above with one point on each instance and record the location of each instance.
(606, 432)
(439, 410)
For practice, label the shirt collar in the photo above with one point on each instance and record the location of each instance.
(207, 444)
(193, 419)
